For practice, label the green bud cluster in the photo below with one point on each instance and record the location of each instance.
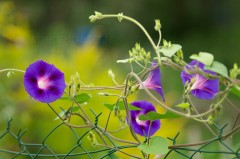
(120, 116)
(179, 57)
(95, 17)
(74, 85)
(167, 43)
(235, 71)
(158, 25)
(139, 54)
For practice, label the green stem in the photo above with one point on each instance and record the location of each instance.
(160, 38)
(133, 21)
(125, 92)
(105, 129)
(119, 140)
(206, 141)
(207, 151)
(12, 69)
(101, 88)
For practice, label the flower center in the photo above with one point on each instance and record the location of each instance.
(140, 122)
(43, 83)
(199, 82)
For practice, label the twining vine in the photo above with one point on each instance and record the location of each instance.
(201, 78)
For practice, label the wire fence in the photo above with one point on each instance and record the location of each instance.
(43, 150)
(27, 150)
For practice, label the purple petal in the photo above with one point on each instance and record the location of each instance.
(208, 90)
(44, 82)
(154, 81)
(202, 87)
(199, 65)
(186, 77)
(142, 127)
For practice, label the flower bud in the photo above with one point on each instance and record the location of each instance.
(158, 25)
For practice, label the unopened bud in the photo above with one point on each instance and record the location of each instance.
(95, 17)
(120, 17)
(210, 119)
(157, 26)
(135, 88)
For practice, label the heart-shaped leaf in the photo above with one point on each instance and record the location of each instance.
(203, 57)
(156, 116)
(120, 106)
(218, 68)
(157, 145)
(80, 98)
(169, 51)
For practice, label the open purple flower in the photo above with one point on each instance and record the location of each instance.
(154, 81)
(201, 87)
(142, 127)
(44, 82)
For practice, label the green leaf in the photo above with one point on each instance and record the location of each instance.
(82, 98)
(120, 105)
(75, 109)
(183, 105)
(157, 145)
(143, 117)
(218, 68)
(169, 51)
(203, 57)
(236, 90)
(109, 106)
(156, 116)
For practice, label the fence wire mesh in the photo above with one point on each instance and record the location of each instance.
(26, 150)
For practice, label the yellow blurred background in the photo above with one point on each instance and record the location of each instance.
(18, 48)
(28, 33)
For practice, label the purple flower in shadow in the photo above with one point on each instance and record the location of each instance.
(142, 127)
(201, 87)
(44, 82)
(154, 81)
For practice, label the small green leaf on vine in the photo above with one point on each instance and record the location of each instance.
(183, 105)
(155, 116)
(204, 57)
(157, 145)
(120, 106)
(218, 68)
(169, 49)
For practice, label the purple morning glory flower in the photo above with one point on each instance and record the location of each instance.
(142, 127)
(44, 82)
(201, 87)
(154, 81)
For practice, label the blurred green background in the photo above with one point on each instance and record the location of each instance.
(59, 32)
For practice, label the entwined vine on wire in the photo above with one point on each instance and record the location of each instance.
(201, 78)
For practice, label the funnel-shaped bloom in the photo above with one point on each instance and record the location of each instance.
(44, 82)
(201, 87)
(142, 127)
(154, 81)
